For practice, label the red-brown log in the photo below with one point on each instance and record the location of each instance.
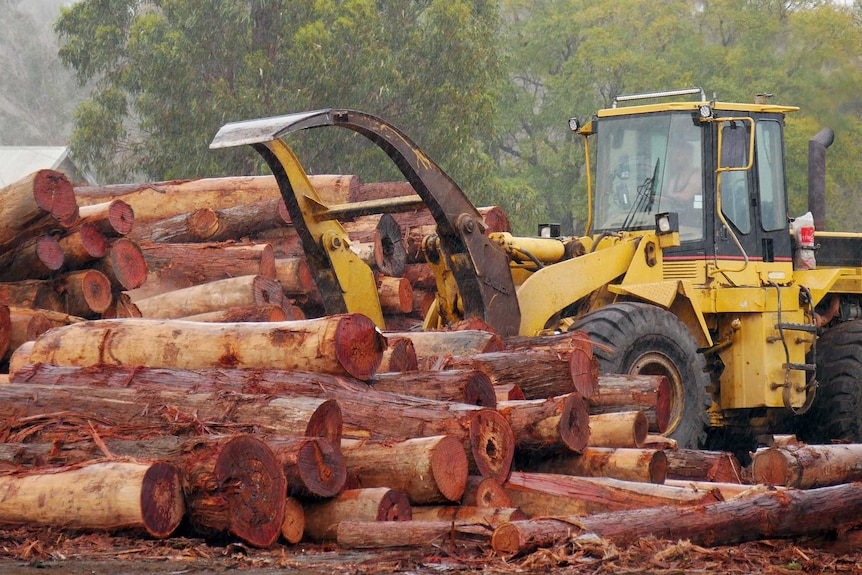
(37, 258)
(509, 392)
(618, 429)
(294, 276)
(648, 465)
(485, 492)
(433, 344)
(24, 325)
(648, 393)
(448, 535)
(312, 465)
(83, 245)
(396, 295)
(5, 330)
(124, 265)
(399, 356)
(85, 293)
(462, 386)
(557, 423)
(770, 515)
(427, 469)
(293, 526)
(703, 465)
(112, 218)
(806, 466)
(35, 204)
(121, 307)
(243, 313)
(206, 262)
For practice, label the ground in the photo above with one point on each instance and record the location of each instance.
(28, 552)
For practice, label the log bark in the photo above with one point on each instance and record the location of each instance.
(433, 344)
(399, 356)
(207, 262)
(703, 465)
(545, 494)
(113, 218)
(648, 393)
(35, 204)
(539, 374)
(34, 294)
(294, 276)
(314, 468)
(141, 496)
(619, 429)
(558, 423)
(341, 344)
(807, 466)
(373, 504)
(728, 490)
(37, 258)
(217, 295)
(771, 515)
(647, 465)
(462, 386)
(426, 469)
(49, 412)
(121, 307)
(24, 325)
(85, 293)
(82, 246)
(455, 513)
(396, 295)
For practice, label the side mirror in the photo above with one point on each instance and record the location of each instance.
(734, 145)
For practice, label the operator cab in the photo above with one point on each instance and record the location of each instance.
(664, 158)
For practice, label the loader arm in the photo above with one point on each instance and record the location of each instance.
(479, 266)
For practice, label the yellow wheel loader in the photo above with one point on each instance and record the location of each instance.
(691, 266)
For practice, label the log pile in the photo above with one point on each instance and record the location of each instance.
(179, 352)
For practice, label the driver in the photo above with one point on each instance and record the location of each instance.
(683, 189)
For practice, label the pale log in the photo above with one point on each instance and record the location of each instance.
(396, 295)
(312, 465)
(459, 385)
(366, 191)
(432, 344)
(293, 526)
(550, 494)
(619, 429)
(341, 344)
(647, 465)
(131, 412)
(206, 262)
(781, 514)
(158, 283)
(113, 218)
(489, 515)
(372, 504)
(113, 495)
(124, 265)
(242, 313)
(703, 465)
(416, 534)
(648, 393)
(427, 469)
(539, 374)
(217, 295)
(728, 490)
(399, 356)
(294, 276)
(557, 423)
(806, 466)
(35, 204)
(485, 492)
(20, 356)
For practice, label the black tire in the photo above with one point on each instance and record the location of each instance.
(836, 413)
(646, 339)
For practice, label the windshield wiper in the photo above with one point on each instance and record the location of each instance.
(646, 192)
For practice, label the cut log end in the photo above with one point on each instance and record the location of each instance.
(359, 345)
(321, 467)
(50, 253)
(657, 467)
(394, 506)
(53, 192)
(575, 423)
(479, 390)
(492, 444)
(127, 264)
(162, 505)
(327, 422)
(663, 405)
(293, 526)
(255, 490)
(203, 223)
(506, 540)
(93, 241)
(399, 356)
(449, 467)
(121, 217)
(583, 367)
(96, 291)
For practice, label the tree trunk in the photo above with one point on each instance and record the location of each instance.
(313, 466)
(770, 515)
(807, 466)
(60, 412)
(427, 469)
(539, 374)
(207, 262)
(647, 465)
(33, 294)
(702, 465)
(36, 258)
(109, 496)
(547, 494)
(728, 490)
(648, 393)
(113, 218)
(485, 492)
(462, 386)
(82, 246)
(433, 344)
(85, 293)
(341, 344)
(399, 356)
(217, 295)
(396, 295)
(35, 204)
(558, 423)
(620, 429)
(124, 265)
(242, 314)
(294, 276)
(373, 504)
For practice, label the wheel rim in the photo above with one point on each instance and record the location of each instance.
(655, 363)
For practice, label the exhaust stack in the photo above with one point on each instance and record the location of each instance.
(817, 175)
